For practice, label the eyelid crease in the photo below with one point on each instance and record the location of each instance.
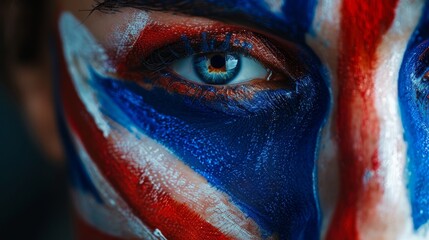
(187, 47)
(159, 45)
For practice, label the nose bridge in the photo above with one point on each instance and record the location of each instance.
(357, 126)
(365, 122)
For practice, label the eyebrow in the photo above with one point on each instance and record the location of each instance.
(292, 21)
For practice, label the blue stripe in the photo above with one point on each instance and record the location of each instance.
(414, 102)
(261, 152)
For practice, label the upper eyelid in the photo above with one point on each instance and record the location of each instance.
(127, 56)
(159, 60)
(288, 71)
(276, 60)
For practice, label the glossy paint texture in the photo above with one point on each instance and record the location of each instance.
(242, 153)
(251, 145)
(356, 120)
(102, 148)
(168, 157)
(414, 101)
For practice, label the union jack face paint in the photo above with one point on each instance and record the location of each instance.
(256, 120)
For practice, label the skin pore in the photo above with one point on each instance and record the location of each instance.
(316, 151)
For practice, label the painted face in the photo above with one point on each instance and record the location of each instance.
(256, 119)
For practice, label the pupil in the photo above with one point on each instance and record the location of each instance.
(217, 61)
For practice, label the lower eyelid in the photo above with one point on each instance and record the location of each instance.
(273, 56)
(173, 84)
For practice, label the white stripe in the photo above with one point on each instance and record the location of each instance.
(165, 171)
(392, 218)
(79, 48)
(113, 216)
(167, 174)
(126, 35)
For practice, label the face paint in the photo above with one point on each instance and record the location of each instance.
(383, 188)
(364, 133)
(414, 100)
(182, 127)
(357, 122)
(290, 19)
(196, 160)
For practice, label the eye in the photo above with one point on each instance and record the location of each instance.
(224, 63)
(219, 68)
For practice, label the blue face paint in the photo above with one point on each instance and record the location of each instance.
(414, 102)
(259, 150)
(79, 177)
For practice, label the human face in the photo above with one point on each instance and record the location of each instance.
(247, 119)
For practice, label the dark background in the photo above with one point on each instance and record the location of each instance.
(34, 201)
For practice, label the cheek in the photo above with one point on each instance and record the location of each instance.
(152, 188)
(172, 165)
(127, 177)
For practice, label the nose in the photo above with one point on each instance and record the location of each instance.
(362, 147)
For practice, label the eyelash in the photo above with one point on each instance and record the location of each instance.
(161, 58)
(149, 66)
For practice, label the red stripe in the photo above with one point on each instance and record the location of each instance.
(157, 211)
(363, 23)
(156, 36)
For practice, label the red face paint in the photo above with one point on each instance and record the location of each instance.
(156, 36)
(164, 213)
(363, 25)
(158, 39)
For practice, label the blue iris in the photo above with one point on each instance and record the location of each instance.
(217, 68)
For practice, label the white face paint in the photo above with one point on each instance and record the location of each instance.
(383, 223)
(324, 41)
(85, 51)
(152, 161)
(122, 222)
(392, 147)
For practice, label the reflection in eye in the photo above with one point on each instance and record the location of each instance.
(219, 68)
(216, 63)
(253, 143)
